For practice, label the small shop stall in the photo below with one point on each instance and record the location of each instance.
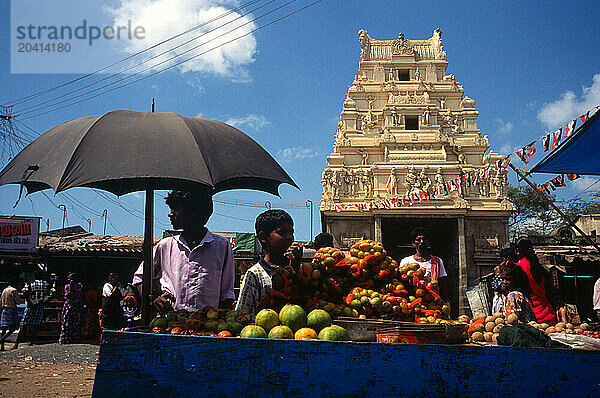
(341, 327)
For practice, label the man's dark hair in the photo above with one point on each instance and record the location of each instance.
(324, 239)
(418, 232)
(193, 200)
(270, 220)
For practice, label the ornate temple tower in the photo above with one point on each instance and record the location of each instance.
(407, 127)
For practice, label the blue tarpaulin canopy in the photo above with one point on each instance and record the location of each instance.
(579, 154)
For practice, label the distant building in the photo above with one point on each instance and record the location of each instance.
(588, 223)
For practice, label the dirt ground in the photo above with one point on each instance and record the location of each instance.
(28, 376)
(22, 379)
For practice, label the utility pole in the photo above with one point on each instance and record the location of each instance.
(64, 209)
(105, 216)
(309, 204)
(89, 224)
(47, 224)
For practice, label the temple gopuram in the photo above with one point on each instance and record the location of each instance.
(408, 153)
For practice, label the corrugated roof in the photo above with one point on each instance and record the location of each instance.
(88, 243)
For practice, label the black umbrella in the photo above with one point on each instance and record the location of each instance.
(125, 151)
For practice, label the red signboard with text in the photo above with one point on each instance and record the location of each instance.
(19, 234)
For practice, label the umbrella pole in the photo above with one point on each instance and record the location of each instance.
(148, 277)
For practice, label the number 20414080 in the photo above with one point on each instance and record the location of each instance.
(44, 47)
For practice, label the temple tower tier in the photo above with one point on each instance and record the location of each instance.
(408, 153)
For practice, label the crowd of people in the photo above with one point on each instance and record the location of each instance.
(195, 269)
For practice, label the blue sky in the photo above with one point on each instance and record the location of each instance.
(527, 65)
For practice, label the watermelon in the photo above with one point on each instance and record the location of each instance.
(253, 332)
(294, 317)
(281, 332)
(333, 333)
(267, 319)
(318, 319)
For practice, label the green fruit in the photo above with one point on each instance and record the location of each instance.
(347, 312)
(332, 333)
(267, 319)
(284, 309)
(223, 326)
(159, 322)
(235, 328)
(294, 317)
(364, 301)
(355, 303)
(253, 332)
(375, 302)
(171, 316)
(211, 325)
(281, 332)
(318, 319)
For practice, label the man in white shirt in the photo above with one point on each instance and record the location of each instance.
(434, 266)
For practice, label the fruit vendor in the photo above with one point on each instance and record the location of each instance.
(194, 269)
(434, 266)
(275, 231)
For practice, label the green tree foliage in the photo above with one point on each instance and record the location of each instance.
(534, 215)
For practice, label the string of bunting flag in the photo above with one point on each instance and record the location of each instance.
(550, 142)
(470, 178)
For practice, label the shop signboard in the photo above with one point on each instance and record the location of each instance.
(19, 234)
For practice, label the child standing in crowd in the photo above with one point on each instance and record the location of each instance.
(275, 231)
(515, 292)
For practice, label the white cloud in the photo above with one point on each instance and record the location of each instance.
(255, 122)
(581, 184)
(199, 115)
(507, 148)
(162, 19)
(569, 106)
(504, 127)
(289, 155)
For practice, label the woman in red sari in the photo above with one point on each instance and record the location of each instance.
(539, 281)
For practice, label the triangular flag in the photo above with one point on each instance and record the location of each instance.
(568, 129)
(505, 162)
(556, 136)
(458, 185)
(521, 154)
(546, 142)
(558, 181)
(529, 149)
(572, 177)
(584, 117)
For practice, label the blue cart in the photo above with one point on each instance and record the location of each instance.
(149, 365)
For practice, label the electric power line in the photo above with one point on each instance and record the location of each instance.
(175, 65)
(29, 97)
(37, 107)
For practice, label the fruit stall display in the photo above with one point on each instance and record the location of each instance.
(485, 328)
(367, 283)
(292, 322)
(205, 322)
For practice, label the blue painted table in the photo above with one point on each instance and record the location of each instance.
(149, 365)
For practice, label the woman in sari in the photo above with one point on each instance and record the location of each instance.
(539, 282)
(70, 330)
